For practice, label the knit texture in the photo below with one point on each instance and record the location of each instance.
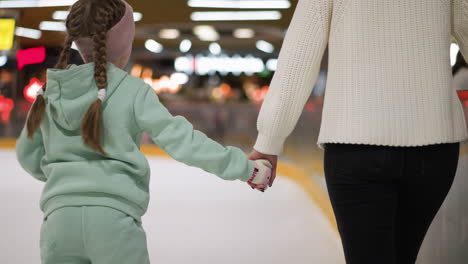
(389, 80)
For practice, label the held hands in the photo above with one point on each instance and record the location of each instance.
(264, 178)
(261, 175)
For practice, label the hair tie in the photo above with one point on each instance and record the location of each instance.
(40, 92)
(102, 94)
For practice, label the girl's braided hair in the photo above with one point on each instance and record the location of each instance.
(90, 19)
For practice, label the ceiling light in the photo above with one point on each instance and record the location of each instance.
(137, 16)
(62, 15)
(246, 4)
(265, 46)
(28, 33)
(36, 3)
(169, 33)
(215, 48)
(52, 26)
(185, 45)
(153, 46)
(244, 33)
(235, 15)
(206, 33)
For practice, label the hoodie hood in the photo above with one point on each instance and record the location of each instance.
(71, 91)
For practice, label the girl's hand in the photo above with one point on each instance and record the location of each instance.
(273, 159)
(261, 176)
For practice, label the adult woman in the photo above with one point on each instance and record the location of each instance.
(391, 122)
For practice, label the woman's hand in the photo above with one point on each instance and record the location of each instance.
(261, 175)
(273, 159)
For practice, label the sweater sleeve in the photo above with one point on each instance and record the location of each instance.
(460, 25)
(30, 152)
(298, 68)
(176, 136)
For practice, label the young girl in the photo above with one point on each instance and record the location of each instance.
(82, 139)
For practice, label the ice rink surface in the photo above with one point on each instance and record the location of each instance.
(193, 217)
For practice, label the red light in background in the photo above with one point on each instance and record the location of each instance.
(463, 95)
(310, 106)
(30, 56)
(259, 95)
(6, 105)
(30, 91)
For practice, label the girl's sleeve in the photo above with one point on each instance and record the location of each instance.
(30, 152)
(176, 136)
(298, 68)
(460, 25)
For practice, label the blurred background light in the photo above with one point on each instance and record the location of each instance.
(52, 26)
(169, 33)
(36, 3)
(206, 33)
(28, 33)
(185, 45)
(215, 48)
(244, 33)
(180, 78)
(204, 65)
(7, 32)
(235, 15)
(265, 46)
(271, 64)
(184, 64)
(30, 56)
(137, 16)
(454, 49)
(246, 4)
(62, 15)
(153, 46)
(30, 91)
(136, 70)
(3, 60)
(6, 106)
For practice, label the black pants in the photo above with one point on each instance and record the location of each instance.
(385, 198)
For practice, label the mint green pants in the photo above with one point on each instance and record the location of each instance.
(92, 235)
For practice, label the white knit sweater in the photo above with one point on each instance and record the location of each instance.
(389, 80)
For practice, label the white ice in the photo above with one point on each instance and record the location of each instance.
(193, 218)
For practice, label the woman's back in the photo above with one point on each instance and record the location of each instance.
(389, 80)
(389, 84)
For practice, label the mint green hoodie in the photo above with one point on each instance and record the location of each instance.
(75, 175)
